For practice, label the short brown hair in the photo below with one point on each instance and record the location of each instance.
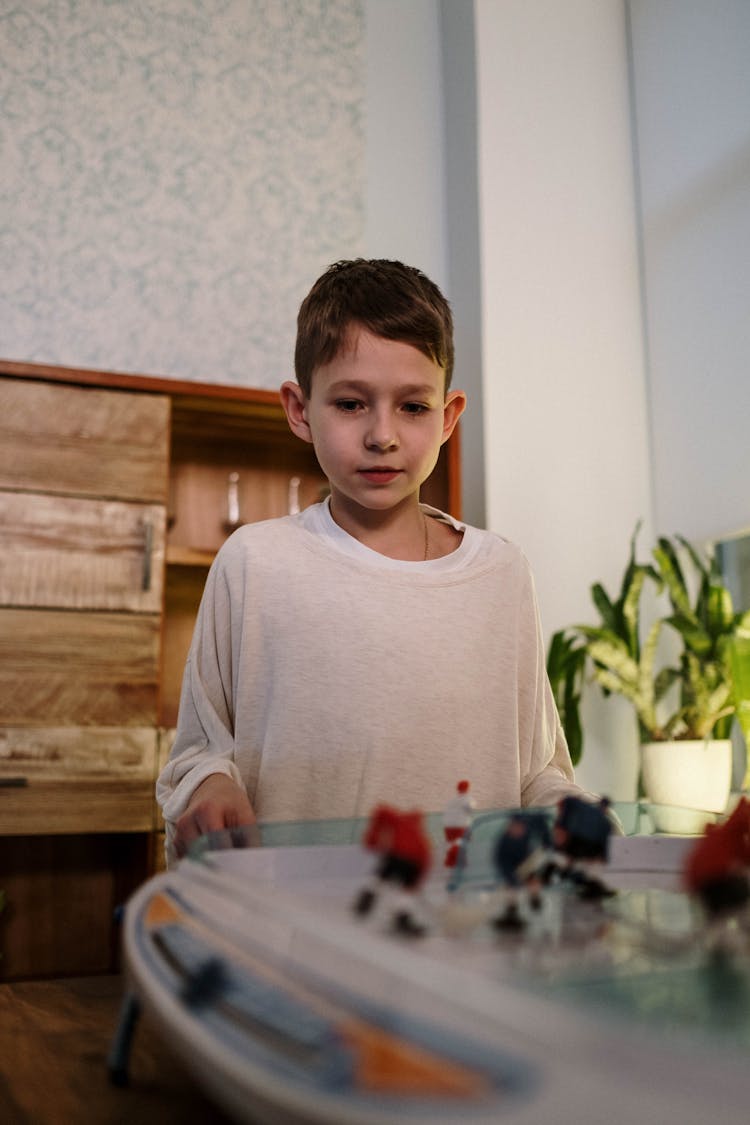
(386, 298)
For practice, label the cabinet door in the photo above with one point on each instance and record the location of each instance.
(76, 553)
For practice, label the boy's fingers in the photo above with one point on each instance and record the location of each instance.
(190, 826)
(217, 804)
(209, 816)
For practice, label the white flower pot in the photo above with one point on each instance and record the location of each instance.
(686, 783)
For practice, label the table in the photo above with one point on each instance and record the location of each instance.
(54, 1040)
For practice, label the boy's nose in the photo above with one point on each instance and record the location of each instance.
(381, 434)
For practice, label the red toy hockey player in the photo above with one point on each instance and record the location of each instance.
(400, 840)
(456, 820)
(717, 870)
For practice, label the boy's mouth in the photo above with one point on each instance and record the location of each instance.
(382, 475)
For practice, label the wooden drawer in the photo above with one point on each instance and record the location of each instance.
(83, 441)
(74, 553)
(62, 753)
(77, 779)
(77, 805)
(78, 669)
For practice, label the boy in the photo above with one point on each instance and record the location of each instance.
(369, 648)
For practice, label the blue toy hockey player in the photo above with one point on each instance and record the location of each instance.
(521, 858)
(581, 834)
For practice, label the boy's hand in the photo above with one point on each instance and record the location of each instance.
(217, 803)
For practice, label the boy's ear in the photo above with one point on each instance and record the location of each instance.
(453, 408)
(295, 408)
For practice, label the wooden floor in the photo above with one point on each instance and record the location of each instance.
(54, 1040)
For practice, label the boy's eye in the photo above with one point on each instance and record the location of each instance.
(415, 407)
(348, 405)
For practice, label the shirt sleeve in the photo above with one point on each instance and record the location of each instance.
(546, 769)
(204, 743)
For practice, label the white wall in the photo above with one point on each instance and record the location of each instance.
(462, 211)
(691, 67)
(404, 156)
(420, 172)
(566, 429)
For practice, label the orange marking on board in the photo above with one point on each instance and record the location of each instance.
(392, 1065)
(160, 910)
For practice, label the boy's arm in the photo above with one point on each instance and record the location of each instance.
(200, 789)
(203, 751)
(555, 779)
(546, 769)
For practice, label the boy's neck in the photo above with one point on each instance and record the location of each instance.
(406, 534)
(398, 533)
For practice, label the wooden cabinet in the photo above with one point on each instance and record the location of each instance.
(84, 479)
(116, 491)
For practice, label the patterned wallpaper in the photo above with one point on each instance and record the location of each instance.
(173, 177)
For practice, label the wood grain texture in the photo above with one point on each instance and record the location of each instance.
(55, 753)
(83, 441)
(62, 1030)
(198, 494)
(182, 597)
(166, 741)
(62, 892)
(73, 553)
(78, 805)
(78, 669)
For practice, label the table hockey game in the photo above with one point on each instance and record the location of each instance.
(289, 1007)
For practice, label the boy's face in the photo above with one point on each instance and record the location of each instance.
(377, 415)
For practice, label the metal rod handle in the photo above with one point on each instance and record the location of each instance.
(148, 544)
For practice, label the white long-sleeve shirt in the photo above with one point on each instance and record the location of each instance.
(325, 678)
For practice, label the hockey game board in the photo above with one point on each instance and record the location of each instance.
(291, 1008)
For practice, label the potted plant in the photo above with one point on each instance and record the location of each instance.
(690, 699)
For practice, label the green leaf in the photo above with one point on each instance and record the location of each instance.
(627, 577)
(706, 571)
(630, 611)
(719, 610)
(594, 633)
(614, 683)
(571, 725)
(669, 568)
(647, 698)
(566, 659)
(719, 701)
(607, 610)
(664, 680)
(556, 654)
(616, 659)
(738, 654)
(696, 638)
